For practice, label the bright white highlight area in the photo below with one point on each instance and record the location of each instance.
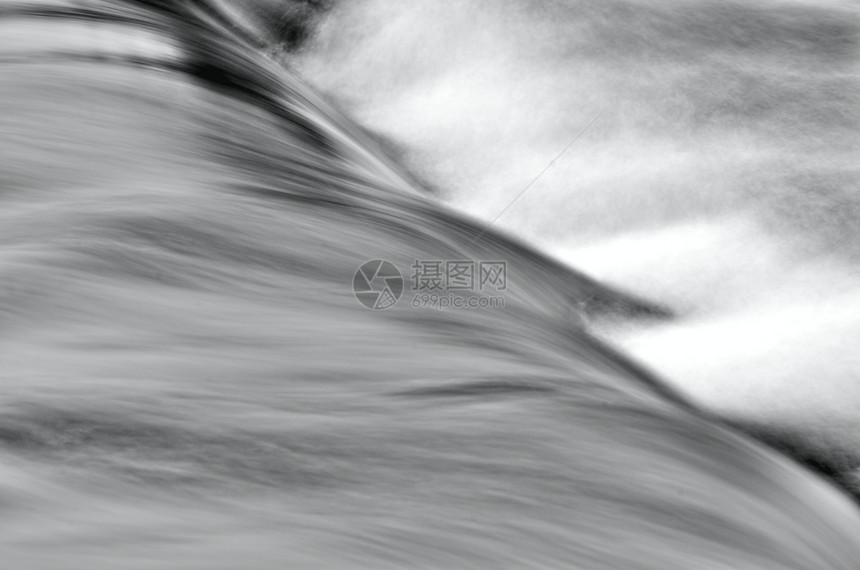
(762, 332)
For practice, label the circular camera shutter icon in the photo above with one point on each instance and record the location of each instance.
(377, 284)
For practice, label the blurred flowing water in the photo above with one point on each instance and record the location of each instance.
(189, 382)
(719, 179)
